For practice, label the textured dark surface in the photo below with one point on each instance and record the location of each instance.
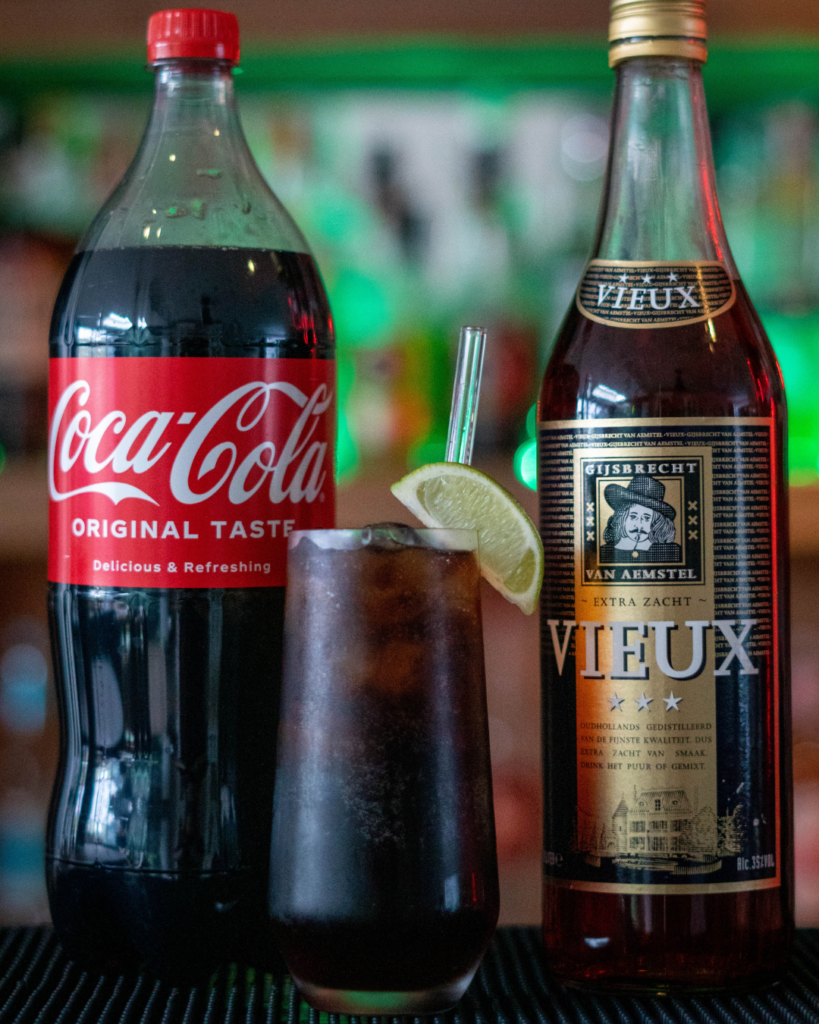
(39, 985)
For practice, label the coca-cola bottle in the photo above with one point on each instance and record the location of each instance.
(191, 430)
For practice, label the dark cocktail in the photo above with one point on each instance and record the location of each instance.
(384, 885)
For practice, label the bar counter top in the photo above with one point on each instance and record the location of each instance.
(39, 985)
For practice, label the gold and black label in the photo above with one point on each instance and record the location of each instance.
(659, 655)
(638, 294)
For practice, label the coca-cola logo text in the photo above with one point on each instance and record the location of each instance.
(75, 437)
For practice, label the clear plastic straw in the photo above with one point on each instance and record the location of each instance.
(465, 395)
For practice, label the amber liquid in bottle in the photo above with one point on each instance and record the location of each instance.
(660, 205)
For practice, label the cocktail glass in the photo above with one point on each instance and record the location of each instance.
(384, 883)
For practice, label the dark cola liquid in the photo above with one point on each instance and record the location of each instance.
(700, 940)
(383, 864)
(158, 835)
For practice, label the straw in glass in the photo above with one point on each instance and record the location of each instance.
(465, 394)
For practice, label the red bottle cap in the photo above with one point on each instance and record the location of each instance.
(193, 32)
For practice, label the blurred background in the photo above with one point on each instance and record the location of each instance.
(445, 162)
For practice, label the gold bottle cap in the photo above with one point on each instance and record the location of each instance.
(657, 28)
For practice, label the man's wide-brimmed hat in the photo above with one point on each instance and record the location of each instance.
(643, 490)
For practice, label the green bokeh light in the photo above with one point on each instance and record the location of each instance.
(431, 449)
(526, 464)
(348, 459)
(796, 342)
(531, 422)
(363, 310)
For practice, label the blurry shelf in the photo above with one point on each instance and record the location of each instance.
(31, 26)
(24, 507)
(739, 71)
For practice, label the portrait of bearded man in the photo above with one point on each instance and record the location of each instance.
(642, 527)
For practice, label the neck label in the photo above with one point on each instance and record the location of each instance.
(661, 294)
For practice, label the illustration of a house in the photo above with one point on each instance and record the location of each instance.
(660, 829)
(658, 822)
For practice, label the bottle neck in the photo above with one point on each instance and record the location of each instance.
(659, 200)
(193, 180)
(194, 98)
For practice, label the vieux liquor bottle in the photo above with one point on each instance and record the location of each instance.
(661, 428)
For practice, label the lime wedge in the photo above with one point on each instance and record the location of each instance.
(454, 496)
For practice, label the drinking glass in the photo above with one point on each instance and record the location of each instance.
(384, 879)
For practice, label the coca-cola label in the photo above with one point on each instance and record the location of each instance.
(186, 472)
